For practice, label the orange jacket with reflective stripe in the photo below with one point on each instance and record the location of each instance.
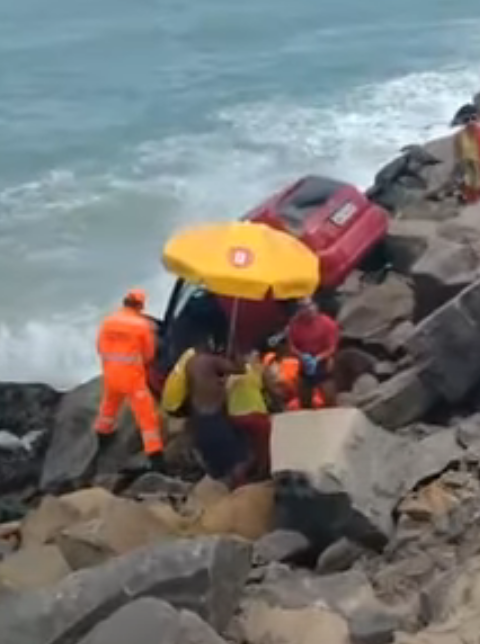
(126, 344)
(289, 371)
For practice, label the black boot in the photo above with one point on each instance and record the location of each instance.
(104, 440)
(157, 462)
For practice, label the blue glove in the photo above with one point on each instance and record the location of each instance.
(309, 364)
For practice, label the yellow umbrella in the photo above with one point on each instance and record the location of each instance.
(243, 260)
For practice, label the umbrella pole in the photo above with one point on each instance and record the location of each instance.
(233, 327)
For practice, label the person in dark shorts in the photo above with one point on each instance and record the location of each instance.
(222, 447)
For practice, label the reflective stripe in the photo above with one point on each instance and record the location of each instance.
(122, 358)
(151, 433)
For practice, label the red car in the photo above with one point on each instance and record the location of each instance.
(334, 219)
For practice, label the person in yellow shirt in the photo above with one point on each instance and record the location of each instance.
(467, 156)
(248, 411)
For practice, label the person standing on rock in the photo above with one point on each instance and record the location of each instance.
(126, 345)
(313, 337)
(467, 156)
(223, 449)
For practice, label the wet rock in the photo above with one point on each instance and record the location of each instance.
(115, 482)
(464, 229)
(33, 567)
(208, 491)
(73, 446)
(437, 210)
(351, 364)
(26, 408)
(159, 486)
(248, 512)
(458, 588)
(284, 546)
(407, 241)
(122, 526)
(151, 621)
(373, 627)
(295, 588)
(442, 272)
(366, 385)
(174, 523)
(42, 525)
(431, 456)
(447, 343)
(338, 557)
(385, 369)
(10, 530)
(205, 575)
(398, 337)
(338, 475)
(435, 501)
(349, 594)
(264, 624)
(7, 547)
(399, 401)
(89, 503)
(468, 431)
(26, 422)
(329, 468)
(404, 181)
(370, 316)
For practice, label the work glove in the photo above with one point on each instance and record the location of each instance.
(309, 364)
(157, 462)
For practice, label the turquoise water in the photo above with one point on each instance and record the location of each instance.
(120, 121)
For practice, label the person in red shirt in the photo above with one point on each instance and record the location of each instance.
(313, 337)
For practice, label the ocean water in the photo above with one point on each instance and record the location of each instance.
(121, 121)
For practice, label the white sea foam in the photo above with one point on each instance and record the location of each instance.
(250, 150)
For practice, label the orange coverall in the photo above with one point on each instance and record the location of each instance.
(289, 368)
(126, 344)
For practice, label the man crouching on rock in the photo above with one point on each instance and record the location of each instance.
(223, 449)
(313, 337)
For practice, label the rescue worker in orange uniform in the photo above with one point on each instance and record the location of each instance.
(287, 372)
(126, 345)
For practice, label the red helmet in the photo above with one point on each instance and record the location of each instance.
(136, 295)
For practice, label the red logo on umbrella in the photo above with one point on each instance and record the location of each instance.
(241, 257)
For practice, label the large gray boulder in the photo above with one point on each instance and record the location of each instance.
(27, 407)
(26, 421)
(407, 241)
(399, 401)
(348, 594)
(447, 344)
(446, 267)
(337, 474)
(204, 575)
(73, 445)
(151, 621)
(281, 546)
(407, 181)
(442, 258)
(260, 623)
(370, 316)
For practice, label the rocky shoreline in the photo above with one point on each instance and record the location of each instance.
(369, 530)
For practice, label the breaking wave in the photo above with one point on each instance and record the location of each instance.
(86, 235)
